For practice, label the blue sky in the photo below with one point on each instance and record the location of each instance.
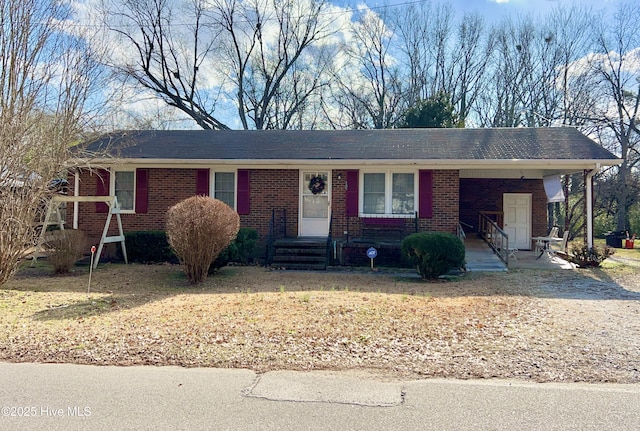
(495, 9)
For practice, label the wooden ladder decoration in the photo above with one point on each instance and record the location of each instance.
(54, 209)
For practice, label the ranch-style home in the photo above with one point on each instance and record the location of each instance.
(338, 188)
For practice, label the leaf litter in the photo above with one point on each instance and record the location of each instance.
(561, 326)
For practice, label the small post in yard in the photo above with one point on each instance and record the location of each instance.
(372, 253)
(93, 252)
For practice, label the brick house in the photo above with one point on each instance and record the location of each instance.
(341, 185)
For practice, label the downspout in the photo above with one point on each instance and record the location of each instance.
(589, 199)
(76, 192)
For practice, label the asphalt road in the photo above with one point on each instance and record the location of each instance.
(77, 397)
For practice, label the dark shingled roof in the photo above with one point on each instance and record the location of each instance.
(561, 143)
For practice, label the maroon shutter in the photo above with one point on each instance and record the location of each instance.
(352, 192)
(202, 182)
(425, 194)
(243, 203)
(142, 191)
(102, 189)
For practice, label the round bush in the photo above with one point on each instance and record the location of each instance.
(434, 254)
(65, 248)
(198, 229)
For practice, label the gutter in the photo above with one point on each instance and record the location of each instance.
(562, 164)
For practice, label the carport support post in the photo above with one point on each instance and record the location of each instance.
(589, 202)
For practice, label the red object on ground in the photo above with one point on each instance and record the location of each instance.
(628, 243)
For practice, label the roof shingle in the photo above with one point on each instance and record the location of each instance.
(563, 143)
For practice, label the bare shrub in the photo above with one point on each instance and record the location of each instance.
(65, 247)
(47, 76)
(198, 229)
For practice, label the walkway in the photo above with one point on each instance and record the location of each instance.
(480, 258)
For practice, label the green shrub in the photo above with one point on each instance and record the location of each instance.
(245, 244)
(227, 255)
(149, 246)
(602, 224)
(65, 248)
(199, 229)
(433, 254)
(586, 257)
(240, 250)
(152, 246)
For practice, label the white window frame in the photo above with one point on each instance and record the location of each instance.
(388, 192)
(212, 183)
(112, 188)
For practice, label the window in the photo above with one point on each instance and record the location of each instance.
(373, 199)
(388, 193)
(124, 187)
(402, 195)
(225, 187)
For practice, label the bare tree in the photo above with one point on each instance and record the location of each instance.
(369, 89)
(424, 35)
(275, 54)
(412, 24)
(45, 78)
(616, 65)
(469, 59)
(259, 58)
(171, 57)
(509, 75)
(570, 32)
(436, 54)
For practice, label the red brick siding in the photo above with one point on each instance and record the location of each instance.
(445, 206)
(446, 187)
(338, 203)
(483, 194)
(272, 189)
(279, 189)
(167, 187)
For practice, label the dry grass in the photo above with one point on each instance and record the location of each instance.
(535, 325)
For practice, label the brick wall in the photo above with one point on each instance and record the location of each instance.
(273, 189)
(445, 206)
(270, 189)
(446, 188)
(167, 187)
(483, 194)
(279, 189)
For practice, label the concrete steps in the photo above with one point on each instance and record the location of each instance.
(300, 254)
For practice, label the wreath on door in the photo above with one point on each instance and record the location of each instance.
(317, 184)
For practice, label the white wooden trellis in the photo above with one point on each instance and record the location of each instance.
(54, 210)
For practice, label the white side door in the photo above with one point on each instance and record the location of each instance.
(315, 200)
(517, 219)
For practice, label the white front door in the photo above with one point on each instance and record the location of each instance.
(517, 219)
(315, 200)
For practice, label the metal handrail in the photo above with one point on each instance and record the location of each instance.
(277, 230)
(497, 239)
(329, 241)
(460, 232)
(268, 258)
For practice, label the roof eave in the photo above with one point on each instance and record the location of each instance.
(336, 163)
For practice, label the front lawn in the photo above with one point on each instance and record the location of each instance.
(522, 324)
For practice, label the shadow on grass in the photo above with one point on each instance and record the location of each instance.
(118, 287)
(81, 309)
